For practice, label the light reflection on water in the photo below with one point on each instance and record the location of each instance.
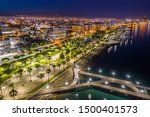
(130, 56)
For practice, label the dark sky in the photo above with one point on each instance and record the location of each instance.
(81, 8)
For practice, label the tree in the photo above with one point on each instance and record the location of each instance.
(49, 59)
(48, 71)
(63, 63)
(13, 92)
(67, 60)
(5, 60)
(98, 35)
(37, 66)
(29, 71)
(54, 67)
(20, 72)
(16, 57)
(41, 76)
(59, 65)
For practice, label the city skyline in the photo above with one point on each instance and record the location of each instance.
(77, 8)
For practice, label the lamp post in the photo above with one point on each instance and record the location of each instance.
(100, 70)
(113, 74)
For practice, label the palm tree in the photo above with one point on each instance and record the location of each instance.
(48, 71)
(13, 92)
(59, 65)
(49, 59)
(63, 63)
(54, 67)
(41, 76)
(29, 71)
(67, 60)
(20, 72)
(37, 66)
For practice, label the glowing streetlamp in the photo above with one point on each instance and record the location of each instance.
(113, 74)
(100, 70)
(122, 86)
(90, 79)
(66, 83)
(137, 82)
(47, 86)
(106, 83)
(142, 90)
(89, 68)
(77, 95)
(128, 76)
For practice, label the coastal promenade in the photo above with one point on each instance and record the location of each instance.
(104, 82)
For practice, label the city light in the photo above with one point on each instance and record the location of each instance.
(60, 52)
(128, 76)
(66, 83)
(47, 86)
(137, 82)
(76, 94)
(89, 68)
(100, 70)
(106, 83)
(122, 86)
(113, 73)
(90, 79)
(142, 90)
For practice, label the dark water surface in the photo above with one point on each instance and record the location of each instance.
(129, 57)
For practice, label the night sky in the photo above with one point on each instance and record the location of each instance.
(80, 8)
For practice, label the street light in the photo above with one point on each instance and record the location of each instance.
(90, 79)
(47, 86)
(100, 70)
(66, 83)
(113, 74)
(137, 82)
(106, 83)
(142, 90)
(128, 76)
(77, 95)
(123, 86)
(89, 68)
